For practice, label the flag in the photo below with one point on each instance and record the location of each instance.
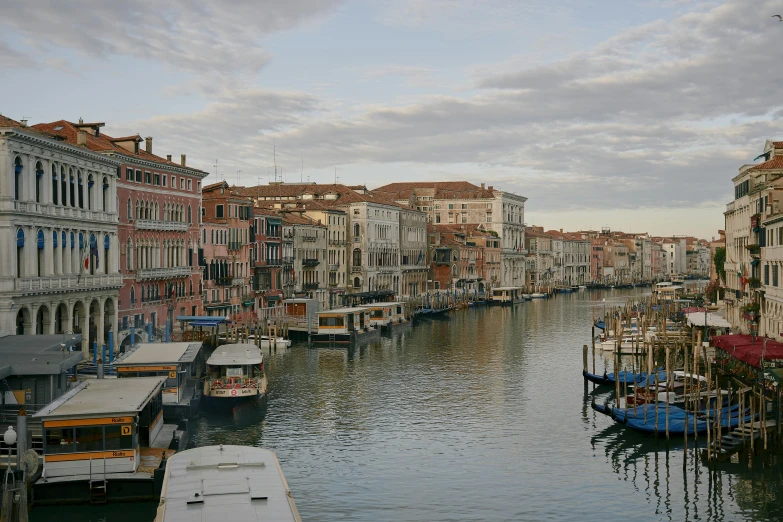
(85, 261)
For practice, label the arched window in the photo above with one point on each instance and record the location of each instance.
(18, 178)
(105, 186)
(90, 185)
(129, 253)
(138, 209)
(80, 189)
(39, 237)
(55, 185)
(357, 230)
(39, 181)
(133, 296)
(130, 209)
(64, 186)
(19, 252)
(72, 187)
(357, 257)
(357, 283)
(190, 215)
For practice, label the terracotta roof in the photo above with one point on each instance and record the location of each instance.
(103, 142)
(297, 192)
(775, 163)
(777, 144)
(442, 190)
(8, 122)
(294, 218)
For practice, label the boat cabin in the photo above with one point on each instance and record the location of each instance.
(102, 426)
(227, 482)
(397, 311)
(235, 371)
(174, 361)
(506, 294)
(380, 314)
(666, 291)
(342, 324)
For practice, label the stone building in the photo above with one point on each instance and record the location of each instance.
(310, 263)
(266, 260)
(460, 202)
(59, 217)
(159, 205)
(227, 237)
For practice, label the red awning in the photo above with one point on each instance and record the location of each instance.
(745, 348)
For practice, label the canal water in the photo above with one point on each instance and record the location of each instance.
(482, 415)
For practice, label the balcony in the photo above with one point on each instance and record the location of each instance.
(154, 224)
(237, 281)
(356, 269)
(268, 262)
(336, 242)
(357, 239)
(31, 207)
(310, 263)
(222, 281)
(334, 268)
(310, 239)
(40, 285)
(146, 274)
(754, 250)
(288, 260)
(310, 286)
(234, 245)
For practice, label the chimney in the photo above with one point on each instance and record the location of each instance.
(182, 159)
(490, 188)
(168, 157)
(23, 122)
(482, 186)
(148, 139)
(81, 138)
(561, 230)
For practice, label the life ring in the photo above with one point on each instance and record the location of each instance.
(217, 384)
(250, 383)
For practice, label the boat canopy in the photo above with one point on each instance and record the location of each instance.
(235, 354)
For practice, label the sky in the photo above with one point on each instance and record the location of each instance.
(628, 114)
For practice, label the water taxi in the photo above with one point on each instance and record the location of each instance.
(506, 295)
(225, 482)
(343, 325)
(666, 291)
(380, 314)
(235, 372)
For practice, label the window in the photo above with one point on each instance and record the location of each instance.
(165, 179)
(129, 210)
(451, 206)
(182, 183)
(138, 176)
(437, 218)
(59, 440)
(766, 274)
(774, 275)
(198, 186)
(190, 215)
(218, 211)
(190, 184)
(115, 440)
(89, 439)
(173, 182)
(128, 174)
(156, 178)
(147, 177)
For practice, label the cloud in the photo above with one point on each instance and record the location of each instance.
(192, 35)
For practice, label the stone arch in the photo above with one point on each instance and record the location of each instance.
(39, 182)
(18, 180)
(23, 321)
(61, 319)
(42, 320)
(109, 310)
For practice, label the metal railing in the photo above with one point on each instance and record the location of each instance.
(310, 262)
(162, 273)
(65, 282)
(155, 224)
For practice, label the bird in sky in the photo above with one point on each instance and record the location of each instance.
(779, 17)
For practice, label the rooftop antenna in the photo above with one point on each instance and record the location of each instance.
(238, 173)
(216, 169)
(335, 176)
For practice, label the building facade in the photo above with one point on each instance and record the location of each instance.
(58, 216)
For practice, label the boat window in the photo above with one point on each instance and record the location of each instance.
(115, 440)
(376, 314)
(330, 321)
(89, 438)
(234, 371)
(59, 440)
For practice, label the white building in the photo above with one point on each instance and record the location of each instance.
(460, 202)
(58, 215)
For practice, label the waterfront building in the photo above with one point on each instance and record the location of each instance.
(58, 219)
(597, 260)
(336, 223)
(745, 237)
(158, 202)
(540, 258)
(226, 235)
(310, 264)
(266, 261)
(771, 250)
(460, 202)
(467, 258)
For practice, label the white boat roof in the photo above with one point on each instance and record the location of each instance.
(159, 353)
(211, 483)
(235, 354)
(343, 310)
(507, 288)
(103, 397)
(376, 305)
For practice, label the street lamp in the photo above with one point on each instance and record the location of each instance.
(9, 437)
(754, 330)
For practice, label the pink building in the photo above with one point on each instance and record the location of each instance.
(159, 205)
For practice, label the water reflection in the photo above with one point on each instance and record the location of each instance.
(481, 417)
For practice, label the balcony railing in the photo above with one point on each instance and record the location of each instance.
(336, 242)
(58, 211)
(355, 269)
(288, 260)
(237, 281)
(222, 281)
(310, 286)
(268, 262)
(155, 224)
(334, 268)
(310, 262)
(64, 283)
(146, 274)
(310, 239)
(357, 239)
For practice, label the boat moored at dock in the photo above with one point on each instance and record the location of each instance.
(506, 295)
(225, 482)
(235, 372)
(343, 325)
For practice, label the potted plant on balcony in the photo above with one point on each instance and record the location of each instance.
(750, 311)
